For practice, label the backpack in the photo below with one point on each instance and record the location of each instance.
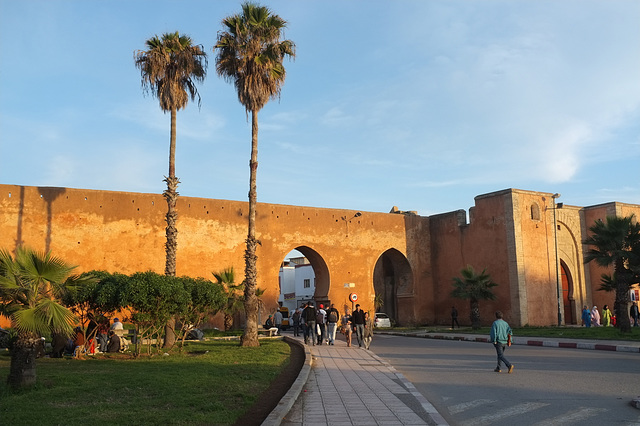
(319, 318)
(333, 317)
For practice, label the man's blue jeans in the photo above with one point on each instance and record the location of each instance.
(310, 332)
(360, 333)
(500, 351)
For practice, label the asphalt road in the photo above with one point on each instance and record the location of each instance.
(549, 386)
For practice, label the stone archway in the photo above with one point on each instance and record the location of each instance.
(321, 272)
(393, 284)
(568, 299)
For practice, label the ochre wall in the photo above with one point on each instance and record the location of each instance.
(124, 232)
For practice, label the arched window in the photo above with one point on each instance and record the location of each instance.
(535, 211)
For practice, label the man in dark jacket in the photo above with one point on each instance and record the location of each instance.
(332, 323)
(309, 315)
(358, 321)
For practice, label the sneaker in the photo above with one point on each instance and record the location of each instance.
(497, 370)
(511, 368)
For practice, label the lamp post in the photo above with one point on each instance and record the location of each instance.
(346, 221)
(555, 238)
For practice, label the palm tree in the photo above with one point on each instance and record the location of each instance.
(30, 286)
(169, 68)
(475, 287)
(250, 54)
(234, 300)
(617, 242)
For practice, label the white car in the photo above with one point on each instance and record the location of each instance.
(382, 320)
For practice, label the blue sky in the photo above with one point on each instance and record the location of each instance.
(418, 104)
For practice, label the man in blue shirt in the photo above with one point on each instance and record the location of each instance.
(501, 336)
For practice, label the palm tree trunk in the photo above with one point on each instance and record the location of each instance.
(22, 372)
(621, 306)
(250, 336)
(475, 314)
(171, 246)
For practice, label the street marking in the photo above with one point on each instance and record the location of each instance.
(459, 408)
(571, 416)
(509, 412)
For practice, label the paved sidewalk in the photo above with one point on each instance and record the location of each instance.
(353, 386)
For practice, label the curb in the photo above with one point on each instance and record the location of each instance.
(286, 403)
(527, 342)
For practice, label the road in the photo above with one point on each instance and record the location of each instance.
(549, 386)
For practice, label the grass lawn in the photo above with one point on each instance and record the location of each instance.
(600, 333)
(209, 383)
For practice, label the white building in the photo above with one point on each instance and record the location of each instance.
(297, 282)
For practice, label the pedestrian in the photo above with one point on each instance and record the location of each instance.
(321, 319)
(501, 338)
(295, 318)
(309, 316)
(606, 316)
(117, 325)
(595, 317)
(633, 313)
(368, 330)
(586, 316)
(333, 316)
(347, 328)
(358, 321)
(277, 320)
(454, 317)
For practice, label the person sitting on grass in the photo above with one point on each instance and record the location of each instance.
(114, 342)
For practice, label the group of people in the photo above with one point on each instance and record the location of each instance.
(594, 318)
(99, 336)
(319, 326)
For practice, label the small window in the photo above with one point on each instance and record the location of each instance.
(307, 283)
(535, 211)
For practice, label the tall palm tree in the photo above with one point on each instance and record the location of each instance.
(250, 54)
(30, 286)
(474, 287)
(169, 68)
(616, 242)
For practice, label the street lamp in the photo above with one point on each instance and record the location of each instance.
(346, 221)
(555, 238)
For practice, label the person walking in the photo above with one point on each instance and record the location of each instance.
(295, 318)
(454, 318)
(500, 337)
(358, 320)
(309, 316)
(606, 316)
(368, 330)
(633, 313)
(321, 319)
(332, 323)
(595, 316)
(586, 316)
(347, 328)
(277, 320)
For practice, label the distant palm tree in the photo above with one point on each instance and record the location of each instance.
(250, 54)
(31, 284)
(474, 287)
(170, 67)
(234, 298)
(617, 242)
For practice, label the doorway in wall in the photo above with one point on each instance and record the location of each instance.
(393, 286)
(567, 294)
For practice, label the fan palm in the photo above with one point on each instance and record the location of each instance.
(474, 287)
(234, 300)
(169, 68)
(616, 241)
(250, 54)
(30, 286)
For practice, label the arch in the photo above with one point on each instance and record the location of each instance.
(568, 298)
(393, 280)
(535, 211)
(321, 272)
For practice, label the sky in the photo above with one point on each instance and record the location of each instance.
(417, 104)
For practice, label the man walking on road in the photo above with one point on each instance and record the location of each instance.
(501, 337)
(358, 320)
